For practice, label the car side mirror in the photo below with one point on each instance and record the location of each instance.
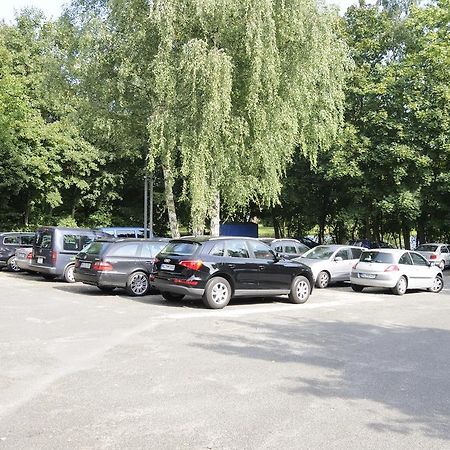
(338, 258)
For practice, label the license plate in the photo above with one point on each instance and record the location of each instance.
(85, 265)
(40, 260)
(167, 267)
(367, 275)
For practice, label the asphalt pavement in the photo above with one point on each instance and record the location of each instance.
(80, 369)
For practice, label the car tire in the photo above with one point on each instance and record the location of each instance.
(138, 284)
(357, 287)
(106, 289)
(172, 297)
(69, 276)
(441, 265)
(438, 285)
(12, 264)
(300, 290)
(217, 293)
(323, 280)
(401, 286)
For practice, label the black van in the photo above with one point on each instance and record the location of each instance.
(55, 248)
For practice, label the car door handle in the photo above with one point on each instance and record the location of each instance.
(231, 266)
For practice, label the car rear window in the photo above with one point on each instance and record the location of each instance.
(11, 240)
(180, 248)
(96, 248)
(44, 239)
(377, 257)
(426, 248)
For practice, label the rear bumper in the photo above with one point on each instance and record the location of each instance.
(43, 269)
(23, 264)
(106, 279)
(382, 280)
(169, 286)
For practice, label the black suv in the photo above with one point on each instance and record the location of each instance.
(217, 269)
(123, 263)
(9, 243)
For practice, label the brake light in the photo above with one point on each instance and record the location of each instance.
(193, 265)
(392, 268)
(433, 256)
(188, 282)
(30, 255)
(101, 266)
(156, 261)
(53, 256)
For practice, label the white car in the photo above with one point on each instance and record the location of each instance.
(397, 270)
(331, 263)
(437, 254)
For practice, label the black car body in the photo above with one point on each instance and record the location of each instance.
(9, 243)
(54, 250)
(217, 269)
(110, 263)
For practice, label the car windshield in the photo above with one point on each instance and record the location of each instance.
(377, 257)
(320, 252)
(426, 248)
(180, 248)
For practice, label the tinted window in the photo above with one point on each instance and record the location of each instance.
(140, 234)
(151, 249)
(418, 260)
(444, 249)
(343, 253)
(125, 250)
(126, 234)
(290, 249)
(85, 240)
(218, 249)
(279, 249)
(236, 249)
(71, 242)
(27, 240)
(96, 248)
(302, 248)
(261, 251)
(356, 252)
(11, 240)
(405, 259)
(180, 248)
(44, 239)
(426, 248)
(377, 257)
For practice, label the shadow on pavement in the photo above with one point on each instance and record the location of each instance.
(405, 369)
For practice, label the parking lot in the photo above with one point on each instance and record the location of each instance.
(81, 369)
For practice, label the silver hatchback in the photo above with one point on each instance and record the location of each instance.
(437, 254)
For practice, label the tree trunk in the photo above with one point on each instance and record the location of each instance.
(421, 231)
(276, 225)
(406, 236)
(170, 202)
(214, 214)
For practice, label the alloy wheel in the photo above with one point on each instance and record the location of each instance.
(219, 293)
(139, 284)
(302, 290)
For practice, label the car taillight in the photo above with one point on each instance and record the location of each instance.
(30, 255)
(188, 282)
(101, 266)
(392, 268)
(354, 267)
(433, 256)
(156, 261)
(193, 265)
(53, 256)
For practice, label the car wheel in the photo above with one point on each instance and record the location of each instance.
(357, 287)
(300, 290)
(438, 285)
(106, 289)
(12, 264)
(137, 284)
(217, 293)
(441, 265)
(401, 286)
(172, 297)
(323, 279)
(69, 277)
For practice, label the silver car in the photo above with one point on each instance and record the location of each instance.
(331, 263)
(435, 253)
(23, 258)
(397, 270)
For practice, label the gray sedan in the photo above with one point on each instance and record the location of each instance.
(331, 263)
(437, 254)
